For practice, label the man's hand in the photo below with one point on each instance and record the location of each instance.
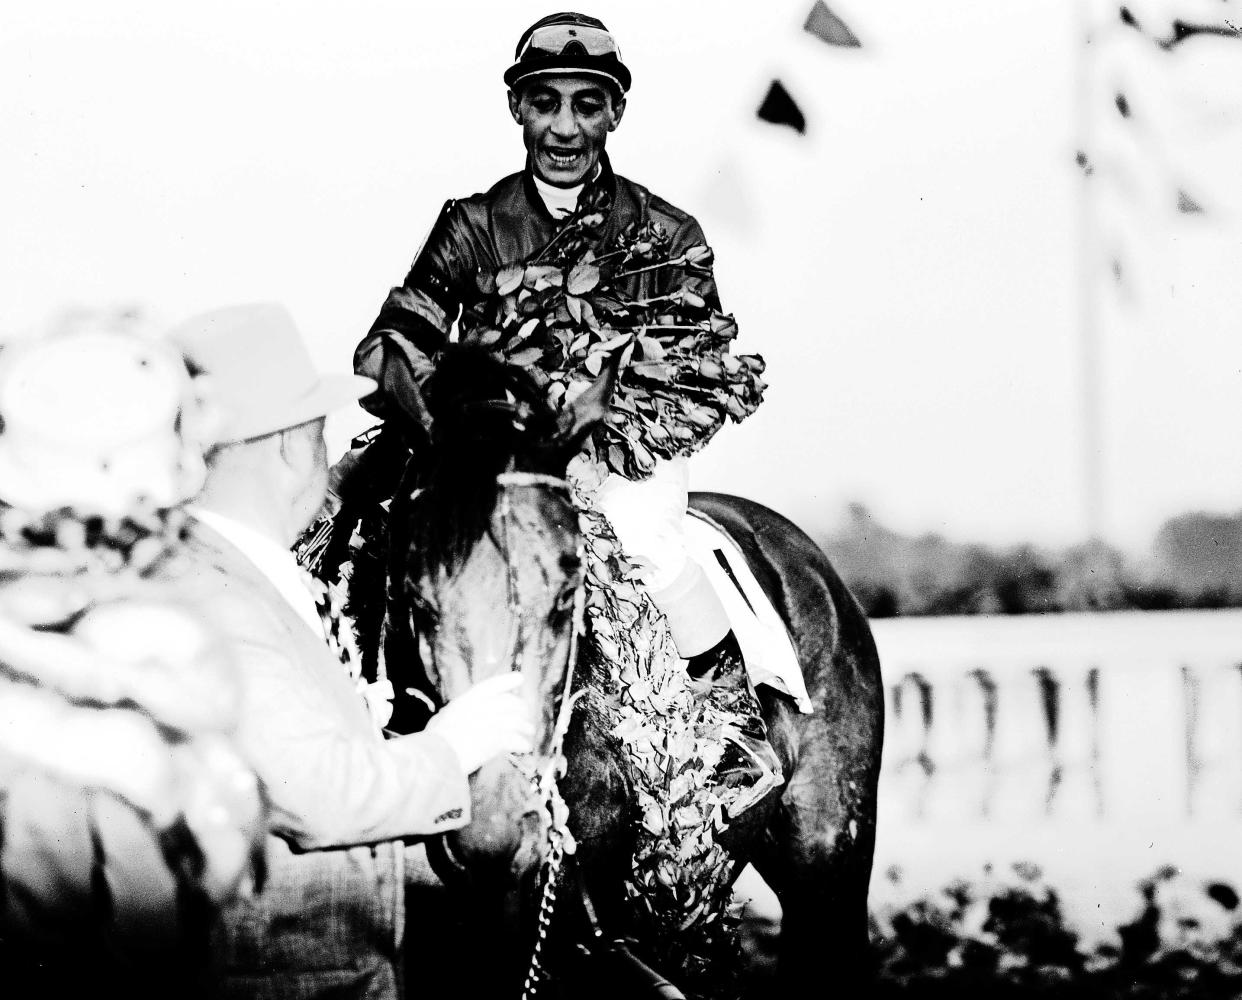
(486, 721)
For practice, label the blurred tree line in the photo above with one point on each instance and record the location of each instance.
(1195, 562)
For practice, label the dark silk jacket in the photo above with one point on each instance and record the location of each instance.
(483, 233)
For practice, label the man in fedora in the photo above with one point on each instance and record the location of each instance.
(328, 920)
(567, 93)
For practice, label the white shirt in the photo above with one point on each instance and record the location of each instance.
(560, 201)
(277, 564)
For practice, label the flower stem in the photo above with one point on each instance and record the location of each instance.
(552, 242)
(676, 262)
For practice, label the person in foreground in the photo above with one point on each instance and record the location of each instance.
(127, 815)
(329, 919)
(567, 93)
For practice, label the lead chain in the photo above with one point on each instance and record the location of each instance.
(547, 902)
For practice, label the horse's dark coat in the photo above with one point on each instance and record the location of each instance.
(812, 842)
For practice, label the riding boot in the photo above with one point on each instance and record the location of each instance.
(719, 679)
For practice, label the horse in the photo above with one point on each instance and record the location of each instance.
(484, 573)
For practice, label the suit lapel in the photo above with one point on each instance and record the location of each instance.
(232, 562)
(322, 668)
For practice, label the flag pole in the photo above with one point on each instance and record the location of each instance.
(1089, 333)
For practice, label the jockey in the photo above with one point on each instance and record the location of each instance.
(567, 91)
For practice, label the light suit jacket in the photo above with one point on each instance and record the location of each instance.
(329, 920)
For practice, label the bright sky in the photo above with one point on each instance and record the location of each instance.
(908, 267)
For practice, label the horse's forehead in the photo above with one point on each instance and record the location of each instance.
(542, 513)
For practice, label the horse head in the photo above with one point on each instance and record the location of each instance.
(494, 580)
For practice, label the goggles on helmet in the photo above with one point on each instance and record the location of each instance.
(565, 44)
(562, 39)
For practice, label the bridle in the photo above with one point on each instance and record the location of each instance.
(544, 784)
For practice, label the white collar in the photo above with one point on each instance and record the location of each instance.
(277, 564)
(560, 201)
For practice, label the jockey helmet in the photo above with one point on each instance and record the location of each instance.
(568, 43)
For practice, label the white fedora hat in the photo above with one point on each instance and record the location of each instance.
(260, 370)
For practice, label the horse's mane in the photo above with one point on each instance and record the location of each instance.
(487, 417)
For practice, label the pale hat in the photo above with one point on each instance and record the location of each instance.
(260, 370)
(99, 421)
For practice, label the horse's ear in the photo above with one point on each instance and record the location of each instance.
(579, 418)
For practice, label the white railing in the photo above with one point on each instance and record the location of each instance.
(1098, 745)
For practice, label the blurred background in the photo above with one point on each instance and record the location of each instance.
(990, 251)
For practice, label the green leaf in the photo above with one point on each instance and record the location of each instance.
(526, 357)
(483, 337)
(594, 362)
(612, 343)
(509, 279)
(527, 328)
(574, 305)
(541, 276)
(652, 370)
(588, 315)
(652, 349)
(582, 279)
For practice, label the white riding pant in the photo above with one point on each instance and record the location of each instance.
(648, 518)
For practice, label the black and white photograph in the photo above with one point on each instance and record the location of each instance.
(698, 499)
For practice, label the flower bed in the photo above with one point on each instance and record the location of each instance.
(1003, 935)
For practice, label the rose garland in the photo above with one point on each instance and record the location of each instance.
(563, 317)
(680, 887)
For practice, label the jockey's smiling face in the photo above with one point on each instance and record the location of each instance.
(565, 122)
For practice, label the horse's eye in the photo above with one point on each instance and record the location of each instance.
(571, 562)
